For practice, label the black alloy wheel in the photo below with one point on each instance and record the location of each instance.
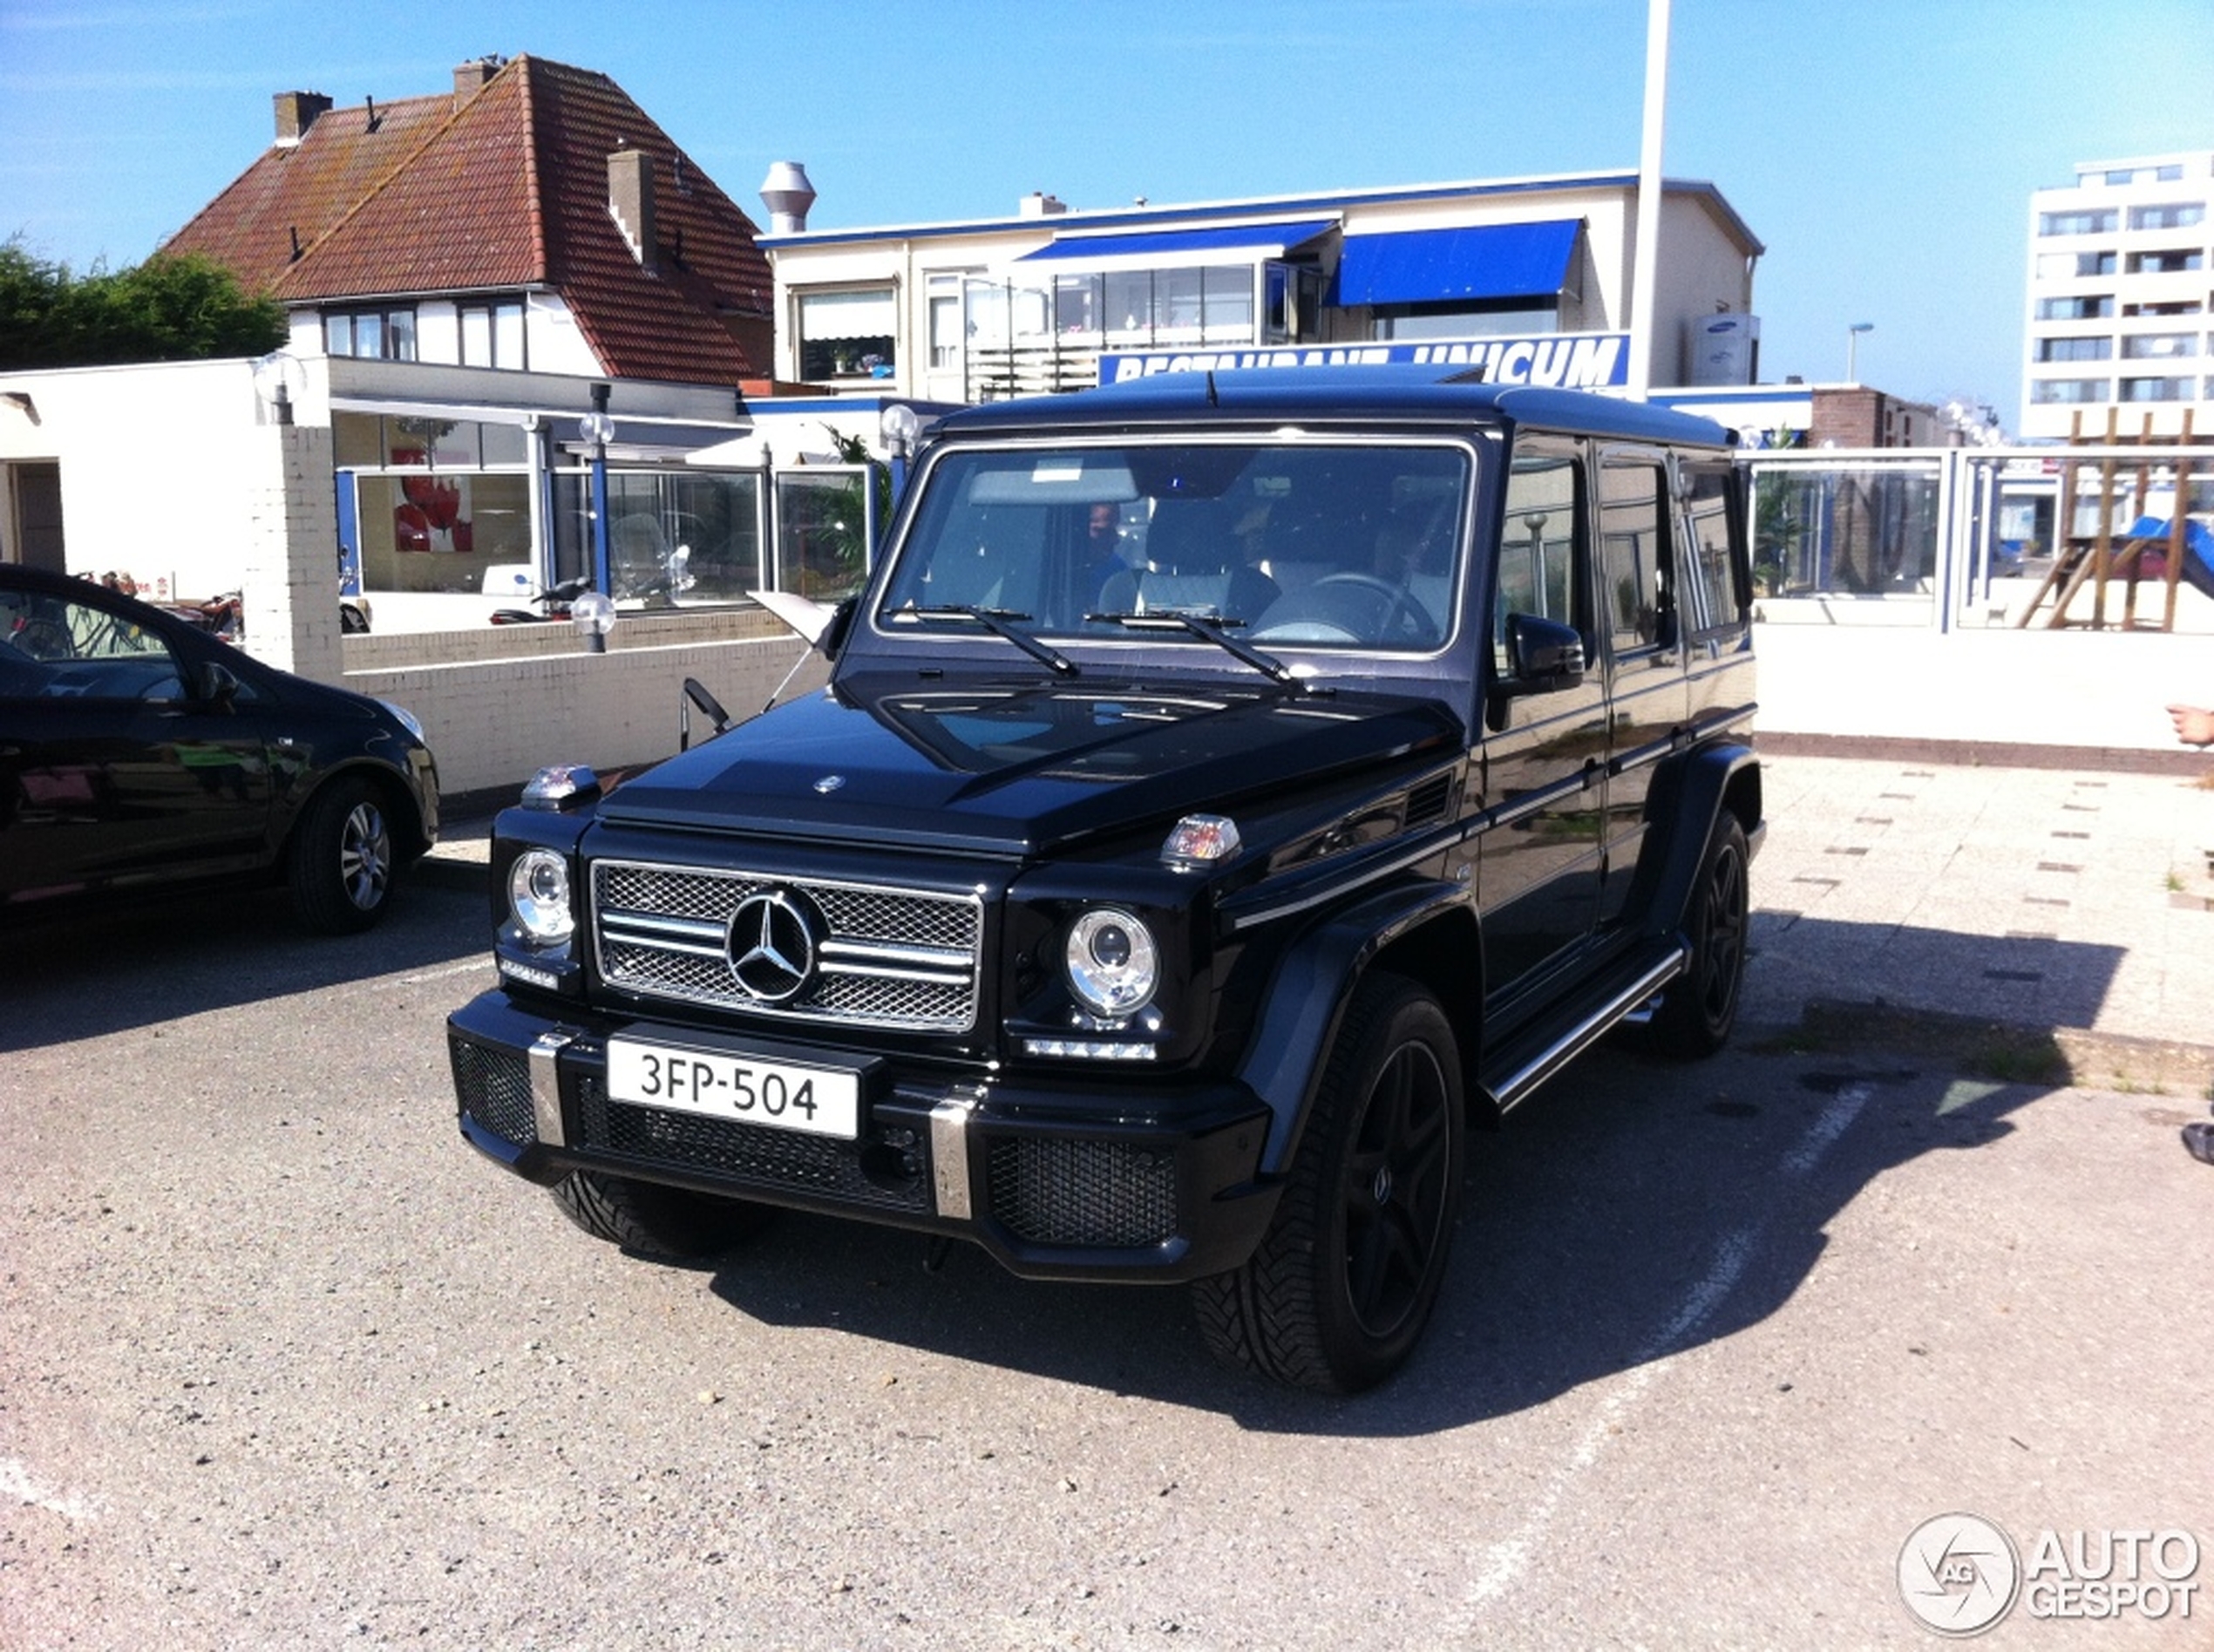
(1341, 1288)
(1698, 1010)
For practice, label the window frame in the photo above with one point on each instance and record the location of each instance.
(393, 323)
(492, 311)
(1702, 622)
(886, 364)
(1615, 512)
(1579, 608)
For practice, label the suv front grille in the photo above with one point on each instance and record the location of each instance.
(896, 958)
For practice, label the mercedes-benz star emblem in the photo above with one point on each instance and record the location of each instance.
(773, 945)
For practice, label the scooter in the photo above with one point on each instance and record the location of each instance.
(552, 603)
(671, 577)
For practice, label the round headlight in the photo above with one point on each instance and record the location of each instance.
(538, 892)
(1113, 967)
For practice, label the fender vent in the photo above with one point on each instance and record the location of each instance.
(1426, 803)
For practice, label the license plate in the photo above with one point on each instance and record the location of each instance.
(781, 1095)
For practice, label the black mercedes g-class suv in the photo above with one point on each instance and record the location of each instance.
(1227, 790)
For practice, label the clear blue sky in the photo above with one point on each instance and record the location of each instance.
(1883, 150)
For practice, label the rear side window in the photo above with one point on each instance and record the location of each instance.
(1719, 572)
(1634, 544)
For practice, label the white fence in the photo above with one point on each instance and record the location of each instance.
(1968, 537)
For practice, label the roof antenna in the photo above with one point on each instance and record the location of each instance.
(1213, 400)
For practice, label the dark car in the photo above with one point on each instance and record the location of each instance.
(138, 751)
(1229, 789)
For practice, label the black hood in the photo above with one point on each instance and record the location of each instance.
(1019, 770)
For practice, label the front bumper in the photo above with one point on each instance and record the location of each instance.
(1116, 1181)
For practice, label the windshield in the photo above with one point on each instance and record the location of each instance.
(1282, 544)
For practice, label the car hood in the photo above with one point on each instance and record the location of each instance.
(1018, 769)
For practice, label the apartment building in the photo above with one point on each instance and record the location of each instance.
(2121, 319)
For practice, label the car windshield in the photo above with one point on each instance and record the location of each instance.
(1282, 544)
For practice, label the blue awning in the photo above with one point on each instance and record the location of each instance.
(1175, 248)
(1476, 261)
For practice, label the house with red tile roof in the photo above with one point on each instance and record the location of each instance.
(534, 218)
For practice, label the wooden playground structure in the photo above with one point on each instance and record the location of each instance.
(2096, 562)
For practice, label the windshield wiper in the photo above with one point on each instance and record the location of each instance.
(999, 623)
(1177, 619)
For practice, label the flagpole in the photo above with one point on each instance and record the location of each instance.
(1646, 260)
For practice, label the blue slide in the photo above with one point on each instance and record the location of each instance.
(2199, 546)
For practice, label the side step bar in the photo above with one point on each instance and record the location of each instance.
(1620, 1003)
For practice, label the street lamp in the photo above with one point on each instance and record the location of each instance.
(593, 615)
(1852, 349)
(897, 427)
(599, 429)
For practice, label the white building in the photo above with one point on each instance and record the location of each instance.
(2121, 299)
(1526, 279)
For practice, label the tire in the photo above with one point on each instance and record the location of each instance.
(1338, 1293)
(342, 859)
(1698, 1009)
(670, 1224)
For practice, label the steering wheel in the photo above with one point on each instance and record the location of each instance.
(1401, 614)
(44, 640)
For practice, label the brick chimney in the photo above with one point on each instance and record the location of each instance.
(471, 77)
(630, 201)
(296, 112)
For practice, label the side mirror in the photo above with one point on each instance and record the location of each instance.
(218, 686)
(1543, 657)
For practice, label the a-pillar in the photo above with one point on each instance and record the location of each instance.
(291, 561)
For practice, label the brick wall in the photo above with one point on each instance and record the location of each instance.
(1848, 419)
(288, 558)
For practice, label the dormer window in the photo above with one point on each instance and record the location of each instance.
(383, 334)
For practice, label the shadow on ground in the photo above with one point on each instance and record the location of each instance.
(85, 975)
(1596, 1225)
